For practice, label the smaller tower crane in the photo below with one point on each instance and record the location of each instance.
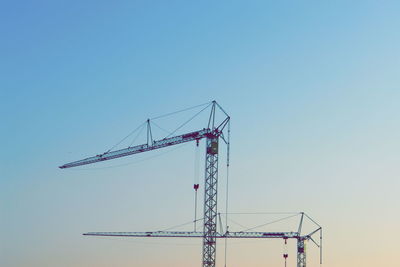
(300, 238)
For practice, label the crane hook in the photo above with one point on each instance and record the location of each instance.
(285, 254)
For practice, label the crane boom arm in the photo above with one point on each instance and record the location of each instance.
(198, 234)
(179, 139)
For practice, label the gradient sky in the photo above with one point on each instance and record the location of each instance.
(312, 88)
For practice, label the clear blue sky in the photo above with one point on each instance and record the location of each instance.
(312, 88)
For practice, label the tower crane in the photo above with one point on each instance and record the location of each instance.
(214, 131)
(212, 134)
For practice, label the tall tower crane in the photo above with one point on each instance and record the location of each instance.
(212, 134)
(214, 131)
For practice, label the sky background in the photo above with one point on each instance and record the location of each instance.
(312, 88)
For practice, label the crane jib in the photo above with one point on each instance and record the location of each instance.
(284, 235)
(197, 135)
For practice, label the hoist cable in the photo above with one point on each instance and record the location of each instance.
(195, 211)
(159, 127)
(162, 116)
(227, 187)
(137, 135)
(179, 111)
(196, 181)
(320, 247)
(180, 225)
(268, 223)
(260, 213)
(177, 129)
(126, 136)
(235, 222)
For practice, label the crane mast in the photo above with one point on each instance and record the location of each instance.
(210, 201)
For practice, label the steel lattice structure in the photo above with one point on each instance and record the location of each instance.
(301, 252)
(210, 201)
(300, 238)
(212, 133)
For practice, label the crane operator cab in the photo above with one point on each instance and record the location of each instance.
(213, 149)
